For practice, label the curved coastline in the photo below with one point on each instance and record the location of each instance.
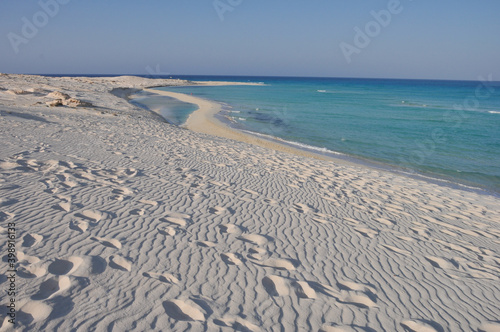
(204, 121)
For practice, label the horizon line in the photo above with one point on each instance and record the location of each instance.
(267, 76)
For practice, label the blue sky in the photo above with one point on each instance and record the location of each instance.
(445, 39)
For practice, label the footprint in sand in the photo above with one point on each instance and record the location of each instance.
(301, 208)
(217, 210)
(63, 198)
(148, 202)
(87, 266)
(112, 243)
(255, 239)
(4, 216)
(196, 185)
(22, 257)
(52, 287)
(31, 240)
(93, 216)
(51, 190)
(231, 259)
(118, 198)
(276, 285)
(167, 231)
(127, 172)
(7, 165)
(184, 310)
(65, 266)
(419, 325)
(33, 312)
(257, 253)
(178, 219)
(68, 164)
(30, 272)
(327, 290)
(7, 201)
(69, 184)
(361, 295)
(120, 263)
(230, 229)
(85, 175)
(270, 201)
(304, 290)
(163, 277)
(359, 299)
(79, 225)
(138, 212)
(63, 206)
(124, 191)
(194, 195)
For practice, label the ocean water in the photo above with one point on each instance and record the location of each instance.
(449, 130)
(174, 111)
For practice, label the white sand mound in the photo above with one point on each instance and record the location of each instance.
(182, 310)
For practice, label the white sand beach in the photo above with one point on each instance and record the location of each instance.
(123, 222)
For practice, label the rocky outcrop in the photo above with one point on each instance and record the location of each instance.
(73, 102)
(58, 95)
(63, 99)
(53, 103)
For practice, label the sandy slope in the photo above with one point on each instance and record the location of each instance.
(126, 223)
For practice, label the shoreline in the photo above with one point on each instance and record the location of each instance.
(204, 121)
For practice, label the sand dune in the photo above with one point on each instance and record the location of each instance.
(126, 223)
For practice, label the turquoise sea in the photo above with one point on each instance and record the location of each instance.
(446, 130)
